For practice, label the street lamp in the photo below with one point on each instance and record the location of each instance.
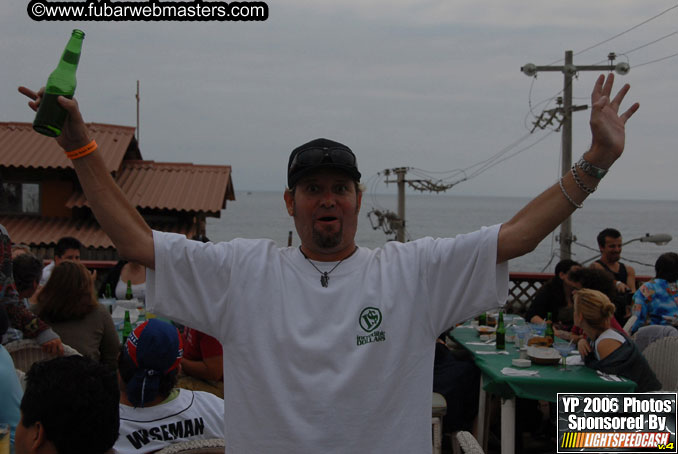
(659, 239)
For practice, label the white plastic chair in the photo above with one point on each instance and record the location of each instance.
(438, 410)
(629, 324)
(466, 443)
(27, 351)
(206, 446)
(661, 355)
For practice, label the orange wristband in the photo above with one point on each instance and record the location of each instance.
(82, 151)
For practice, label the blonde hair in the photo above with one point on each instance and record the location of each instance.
(68, 294)
(595, 307)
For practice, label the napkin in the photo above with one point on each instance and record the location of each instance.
(500, 352)
(119, 315)
(481, 343)
(609, 377)
(519, 373)
(575, 360)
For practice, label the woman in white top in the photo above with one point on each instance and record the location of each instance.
(118, 276)
(612, 352)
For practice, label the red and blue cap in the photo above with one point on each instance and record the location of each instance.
(155, 345)
(156, 348)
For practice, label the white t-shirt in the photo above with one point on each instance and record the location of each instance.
(346, 368)
(192, 415)
(138, 290)
(607, 334)
(46, 273)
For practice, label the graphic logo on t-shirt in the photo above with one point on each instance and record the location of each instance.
(369, 320)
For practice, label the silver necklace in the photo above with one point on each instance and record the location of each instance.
(325, 275)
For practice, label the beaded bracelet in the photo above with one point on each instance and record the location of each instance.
(567, 196)
(82, 151)
(580, 184)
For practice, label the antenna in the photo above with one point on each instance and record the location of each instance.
(138, 100)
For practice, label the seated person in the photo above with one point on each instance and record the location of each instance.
(68, 303)
(203, 363)
(27, 270)
(611, 351)
(118, 276)
(594, 279)
(18, 249)
(153, 413)
(67, 248)
(10, 388)
(457, 378)
(70, 406)
(23, 324)
(656, 301)
(555, 296)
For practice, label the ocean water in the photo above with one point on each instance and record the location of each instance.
(263, 215)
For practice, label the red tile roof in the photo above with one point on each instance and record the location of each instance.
(172, 186)
(28, 229)
(20, 146)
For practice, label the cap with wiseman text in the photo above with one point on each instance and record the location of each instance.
(317, 154)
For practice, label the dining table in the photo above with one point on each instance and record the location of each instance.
(544, 382)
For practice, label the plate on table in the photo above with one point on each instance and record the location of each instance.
(485, 329)
(543, 355)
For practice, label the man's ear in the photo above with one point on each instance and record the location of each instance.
(38, 437)
(289, 201)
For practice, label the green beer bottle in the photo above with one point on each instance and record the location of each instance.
(108, 293)
(126, 328)
(51, 116)
(128, 293)
(549, 327)
(482, 319)
(501, 332)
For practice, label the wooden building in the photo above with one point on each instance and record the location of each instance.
(41, 199)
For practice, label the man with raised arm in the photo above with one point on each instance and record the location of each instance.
(329, 347)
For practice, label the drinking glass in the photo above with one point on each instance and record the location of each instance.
(564, 349)
(521, 333)
(538, 329)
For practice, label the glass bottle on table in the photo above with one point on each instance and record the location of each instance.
(482, 319)
(549, 327)
(128, 294)
(501, 332)
(126, 328)
(50, 118)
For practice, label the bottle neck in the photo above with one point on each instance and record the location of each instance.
(71, 56)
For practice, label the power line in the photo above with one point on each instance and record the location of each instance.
(625, 53)
(656, 61)
(622, 33)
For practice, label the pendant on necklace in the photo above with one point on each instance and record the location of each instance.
(324, 279)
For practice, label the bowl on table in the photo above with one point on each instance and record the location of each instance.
(484, 329)
(543, 355)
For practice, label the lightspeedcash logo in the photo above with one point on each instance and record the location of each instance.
(150, 10)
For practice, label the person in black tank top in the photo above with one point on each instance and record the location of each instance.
(610, 245)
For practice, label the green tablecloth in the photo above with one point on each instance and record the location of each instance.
(551, 380)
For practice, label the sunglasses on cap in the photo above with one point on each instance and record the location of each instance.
(315, 156)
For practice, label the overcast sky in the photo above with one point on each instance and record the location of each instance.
(432, 84)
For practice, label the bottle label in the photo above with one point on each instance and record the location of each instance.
(70, 57)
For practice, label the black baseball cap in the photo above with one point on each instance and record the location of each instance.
(317, 154)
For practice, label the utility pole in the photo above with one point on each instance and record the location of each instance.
(390, 222)
(569, 71)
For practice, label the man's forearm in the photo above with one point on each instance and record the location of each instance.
(116, 215)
